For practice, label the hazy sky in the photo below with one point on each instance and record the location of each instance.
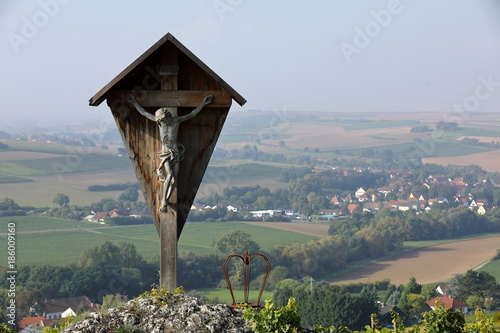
(335, 55)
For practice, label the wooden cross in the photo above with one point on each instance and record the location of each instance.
(169, 76)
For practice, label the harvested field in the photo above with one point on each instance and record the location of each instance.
(312, 229)
(487, 160)
(41, 192)
(23, 155)
(427, 265)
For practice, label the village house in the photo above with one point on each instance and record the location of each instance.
(443, 289)
(292, 214)
(57, 309)
(449, 303)
(371, 207)
(360, 193)
(97, 217)
(265, 213)
(478, 202)
(69, 306)
(336, 201)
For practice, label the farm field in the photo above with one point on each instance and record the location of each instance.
(312, 229)
(51, 168)
(429, 262)
(66, 240)
(41, 192)
(493, 268)
(427, 265)
(486, 160)
(224, 296)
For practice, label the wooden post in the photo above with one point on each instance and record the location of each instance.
(168, 220)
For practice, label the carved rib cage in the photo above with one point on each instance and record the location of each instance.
(246, 259)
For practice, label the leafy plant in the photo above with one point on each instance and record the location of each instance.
(4, 328)
(482, 324)
(442, 320)
(66, 323)
(272, 319)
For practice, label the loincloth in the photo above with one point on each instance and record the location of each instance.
(172, 155)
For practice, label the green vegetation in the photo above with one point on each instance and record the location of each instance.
(479, 132)
(222, 295)
(63, 165)
(44, 147)
(379, 124)
(12, 180)
(241, 171)
(65, 240)
(284, 319)
(426, 148)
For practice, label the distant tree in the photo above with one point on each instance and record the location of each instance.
(108, 254)
(481, 284)
(282, 144)
(4, 135)
(420, 129)
(109, 205)
(129, 194)
(122, 151)
(61, 199)
(45, 280)
(8, 204)
(235, 241)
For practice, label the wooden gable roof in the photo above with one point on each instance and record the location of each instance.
(129, 72)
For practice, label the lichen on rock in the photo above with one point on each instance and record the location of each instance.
(164, 314)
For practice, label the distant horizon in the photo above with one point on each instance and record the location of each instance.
(108, 121)
(363, 56)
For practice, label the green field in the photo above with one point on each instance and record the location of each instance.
(242, 171)
(379, 124)
(224, 296)
(63, 165)
(479, 132)
(429, 148)
(493, 267)
(250, 138)
(12, 180)
(42, 147)
(60, 242)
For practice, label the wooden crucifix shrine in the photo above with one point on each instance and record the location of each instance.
(169, 108)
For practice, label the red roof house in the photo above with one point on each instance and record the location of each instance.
(449, 303)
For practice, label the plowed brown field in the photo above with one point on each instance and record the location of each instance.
(487, 160)
(427, 265)
(431, 264)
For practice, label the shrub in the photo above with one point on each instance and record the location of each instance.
(284, 319)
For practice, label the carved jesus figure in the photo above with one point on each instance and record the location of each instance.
(171, 151)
